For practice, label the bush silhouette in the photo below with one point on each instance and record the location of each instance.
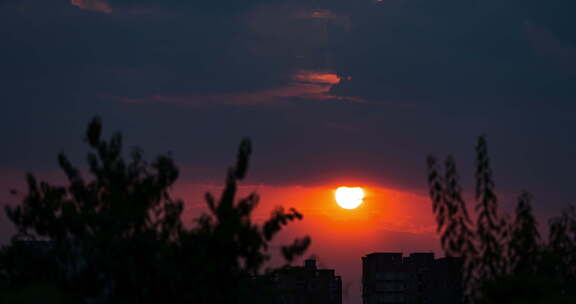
(119, 237)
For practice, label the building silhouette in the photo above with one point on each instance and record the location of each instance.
(390, 278)
(308, 284)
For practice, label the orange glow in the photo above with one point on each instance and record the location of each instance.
(388, 220)
(388, 211)
(329, 78)
(309, 84)
(349, 197)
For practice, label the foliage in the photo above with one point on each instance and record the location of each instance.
(505, 260)
(119, 236)
(229, 249)
(454, 224)
(37, 292)
(104, 229)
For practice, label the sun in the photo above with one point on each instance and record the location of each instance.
(349, 197)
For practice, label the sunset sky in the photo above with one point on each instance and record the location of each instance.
(332, 92)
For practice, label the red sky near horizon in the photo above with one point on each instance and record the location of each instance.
(388, 220)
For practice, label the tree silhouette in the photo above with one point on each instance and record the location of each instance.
(104, 229)
(524, 244)
(490, 228)
(505, 260)
(229, 249)
(119, 237)
(454, 224)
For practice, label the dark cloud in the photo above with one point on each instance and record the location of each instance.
(223, 6)
(554, 15)
(193, 77)
(93, 5)
(447, 51)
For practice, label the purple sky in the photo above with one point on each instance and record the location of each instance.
(328, 90)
